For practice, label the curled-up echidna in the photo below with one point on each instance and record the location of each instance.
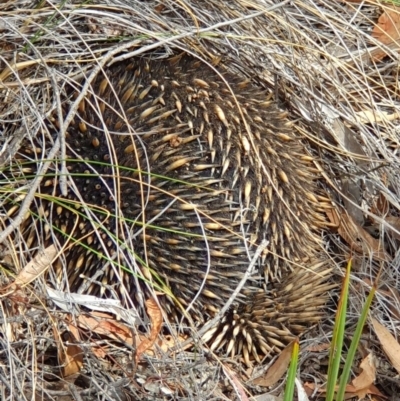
(182, 171)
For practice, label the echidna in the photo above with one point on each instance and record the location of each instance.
(181, 171)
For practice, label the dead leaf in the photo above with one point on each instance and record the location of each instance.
(381, 205)
(74, 332)
(389, 344)
(358, 239)
(365, 380)
(301, 391)
(35, 267)
(277, 369)
(317, 348)
(387, 31)
(104, 324)
(168, 342)
(74, 354)
(156, 319)
(350, 390)
(72, 361)
(70, 355)
(361, 386)
(236, 383)
(100, 352)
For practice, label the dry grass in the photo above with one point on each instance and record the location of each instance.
(315, 56)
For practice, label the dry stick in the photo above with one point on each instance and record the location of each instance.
(63, 176)
(228, 304)
(11, 145)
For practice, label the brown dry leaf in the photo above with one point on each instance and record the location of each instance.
(277, 369)
(381, 206)
(35, 267)
(365, 380)
(317, 348)
(104, 324)
(74, 331)
(71, 355)
(389, 344)
(309, 388)
(387, 31)
(351, 391)
(156, 319)
(358, 239)
(361, 386)
(111, 328)
(168, 342)
(100, 352)
(236, 383)
(72, 360)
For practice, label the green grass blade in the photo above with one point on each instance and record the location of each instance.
(354, 345)
(335, 353)
(290, 383)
